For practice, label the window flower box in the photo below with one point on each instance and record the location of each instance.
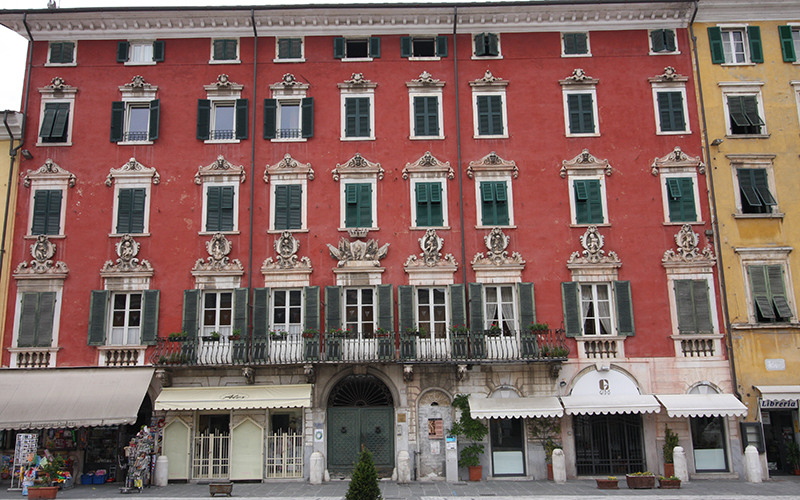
(641, 480)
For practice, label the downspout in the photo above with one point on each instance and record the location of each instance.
(458, 146)
(714, 218)
(253, 181)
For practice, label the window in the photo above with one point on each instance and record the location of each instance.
(486, 45)
(55, 123)
(358, 205)
(61, 53)
(132, 197)
(489, 115)
(288, 118)
(359, 310)
(289, 179)
(588, 195)
(135, 121)
(597, 309)
(693, 306)
(217, 313)
(663, 41)
(429, 47)
(735, 45)
(47, 205)
(357, 108)
(220, 208)
(428, 204)
(37, 313)
(222, 120)
(581, 112)
(288, 207)
(428, 176)
(126, 318)
(287, 311)
(134, 53)
(769, 294)
(790, 42)
(756, 197)
(494, 204)
(671, 111)
(432, 317)
(681, 199)
(358, 117)
(130, 210)
(743, 112)
(575, 44)
(356, 48)
(48, 198)
(425, 107)
(500, 304)
(426, 116)
(225, 50)
(289, 49)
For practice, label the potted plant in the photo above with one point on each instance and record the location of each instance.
(670, 442)
(538, 327)
(273, 335)
(46, 474)
(235, 335)
(494, 330)
(609, 483)
(641, 480)
(793, 457)
(177, 336)
(213, 337)
(549, 446)
(669, 483)
(473, 431)
(547, 430)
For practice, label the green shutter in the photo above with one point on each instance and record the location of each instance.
(295, 207)
(458, 311)
(365, 205)
(226, 208)
(203, 119)
(527, 305)
(405, 46)
(575, 43)
(483, 115)
(754, 37)
(307, 106)
(155, 110)
(670, 110)
(45, 318)
(333, 308)
(681, 199)
(750, 107)
(311, 312)
(242, 112)
(26, 336)
(46, 132)
(150, 317)
(375, 47)
(494, 46)
(572, 308)
(98, 317)
(405, 307)
(702, 306)
(476, 307)
(281, 207)
(46, 212)
(441, 46)
(213, 208)
(191, 312)
(657, 40)
(736, 110)
(787, 43)
(338, 48)
(270, 117)
(124, 204)
(158, 50)
(423, 204)
(386, 307)
(122, 51)
(117, 121)
(685, 306)
(760, 291)
(481, 44)
(240, 308)
(715, 43)
(60, 123)
(669, 40)
(622, 297)
(496, 112)
(260, 313)
(56, 49)
(777, 292)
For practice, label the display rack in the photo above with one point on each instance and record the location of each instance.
(24, 454)
(138, 454)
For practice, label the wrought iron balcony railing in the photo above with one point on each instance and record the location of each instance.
(345, 347)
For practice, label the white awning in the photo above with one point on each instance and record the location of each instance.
(530, 407)
(702, 405)
(596, 405)
(240, 397)
(71, 397)
(779, 392)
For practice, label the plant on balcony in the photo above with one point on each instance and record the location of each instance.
(554, 352)
(339, 333)
(459, 329)
(538, 327)
(309, 333)
(494, 330)
(473, 431)
(213, 337)
(236, 334)
(277, 335)
(413, 332)
(382, 332)
(177, 336)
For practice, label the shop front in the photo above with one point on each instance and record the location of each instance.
(779, 418)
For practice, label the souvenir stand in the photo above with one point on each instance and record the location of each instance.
(24, 457)
(139, 453)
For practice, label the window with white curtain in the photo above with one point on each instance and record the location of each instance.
(126, 317)
(432, 311)
(596, 309)
(287, 311)
(499, 302)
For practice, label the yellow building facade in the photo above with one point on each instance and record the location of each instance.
(10, 132)
(748, 64)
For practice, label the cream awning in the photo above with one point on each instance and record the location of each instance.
(596, 405)
(702, 405)
(71, 397)
(779, 392)
(530, 407)
(239, 397)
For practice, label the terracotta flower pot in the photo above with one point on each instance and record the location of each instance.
(641, 482)
(42, 492)
(669, 470)
(669, 484)
(549, 472)
(475, 472)
(607, 484)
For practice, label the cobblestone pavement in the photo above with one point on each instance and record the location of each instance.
(783, 487)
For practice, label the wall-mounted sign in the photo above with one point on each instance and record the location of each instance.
(775, 365)
(775, 404)
(319, 434)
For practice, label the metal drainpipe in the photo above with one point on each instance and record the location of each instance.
(714, 219)
(12, 152)
(458, 143)
(252, 180)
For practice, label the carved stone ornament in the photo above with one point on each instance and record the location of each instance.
(431, 245)
(688, 251)
(58, 83)
(127, 250)
(289, 80)
(357, 79)
(220, 167)
(310, 373)
(357, 165)
(488, 80)
(592, 242)
(497, 243)
(218, 249)
(669, 75)
(426, 77)
(492, 163)
(358, 253)
(287, 246)
(249, 374)
(677, 160)
(428, 163)
(42, 251)
(408, 373)
(585, 161)
(579, 76)
(289, 165)
(50, 170)
(132, 169)
(137, 82)
(223, 81)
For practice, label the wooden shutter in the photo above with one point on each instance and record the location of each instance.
(787, 43)
(158, 50)
(260, 313)
(307, 105)
(59, 131)
(365, 205)
(219, 50)
(213, 208)
(777, 292)
(338, 48)
(754, 38)
(50, 109)
(595, 201)
(423, 204)
(44, 319)
(702, 306)
(669, 40)
(56, 49)
(117, 121)
(351, 205)
(203, 119)
(715, 44)
(657, 40)
(311, 312)
(295, 207)
(226, 208)
(405, 307)
(483, 115)
(150, 316)
(572, 308)
(574, 109)
(680, 200)
(488, 215)
(622, 298)
(496, 114)
(750, 109)
(240, 309)
(670, 110)
(26, 336)
(155, 110)
(501, 204)
(441, 46)
(760, 291)
(458, 311)
(281, 207)
(481, 44)
(284, 49)
(527, 305)
(476, 307)
(242, 112)
(374, 47)
(46, 211)
(270, 118)
(386, 307)
(98, 317)
(494, 46)
(124, 204)
(685, 305)
(191, 312)
(405, 46)
(333, 308)
(122, 51)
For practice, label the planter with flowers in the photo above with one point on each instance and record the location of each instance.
(311, 347)
(46, 475)
(408, 343)
(609, 483)
(641, 480)
(669, 483)
(472, 430)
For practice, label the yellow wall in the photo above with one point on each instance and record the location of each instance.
(752, 344)
(15, 123)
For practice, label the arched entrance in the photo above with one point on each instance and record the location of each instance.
(360, 412)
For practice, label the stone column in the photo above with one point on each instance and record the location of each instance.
(679, 463)
(752, 464)
(559, 466)
(317, 468)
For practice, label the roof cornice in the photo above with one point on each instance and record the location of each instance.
(710, 11)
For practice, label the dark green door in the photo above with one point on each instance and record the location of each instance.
(350, 428)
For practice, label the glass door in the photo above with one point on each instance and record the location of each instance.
(508, 441)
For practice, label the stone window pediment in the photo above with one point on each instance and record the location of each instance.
(358, 167)
(677, 161)
(496, 265)
(220, 170)
(138, 89)
(593, 262)
(428, 166)
(669, 76)
(688, 256)
(357, 83)
(578, 80)
(50, 172)
(425, 81)
(492, 165)
(42, 265)
(488, 81)
(289, 169)
(223, 88)
(289, 87)
(431, 267)
(585, 164)
(218, 271)
(287, 270)
(132, 171)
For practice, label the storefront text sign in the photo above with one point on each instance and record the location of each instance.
(775, 404)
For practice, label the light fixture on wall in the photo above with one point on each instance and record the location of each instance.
(27, 154)
(717, 142)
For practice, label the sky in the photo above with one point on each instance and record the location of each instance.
(13, 47)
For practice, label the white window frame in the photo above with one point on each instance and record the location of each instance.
(224, 330)
(588, 44)
(136, 97)
(52, 96)
(571, 178)
(287, 290)
(675, 52)
(51, 185)
(488, 92)
(221, 95)
(360, 306)
(796, 41)
(221, 183)
(217, 103)
(303, 183)
(754, 161)
(132, 184)
(356, 59)
(412, 57)
(659, 87)
(29, 286)
(428, 170)
(745, 41)
(74, 62)
(425, 179)
(566, 91)
(514, 322)
(343, 198)
(481, 58)
(288, 94)
(693, 275)
(673, 174)
(496, 177)
(612, 305)
(131, 44)
(302, 57)
(425, 92)
(347, 93)
(110, 319)
(431, 305)
(796, 89)
(766, 257)
(238, 59)
(743, 89)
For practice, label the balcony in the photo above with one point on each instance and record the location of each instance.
(347, 347)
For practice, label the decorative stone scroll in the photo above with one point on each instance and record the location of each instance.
(50, 170)
(223, 81)
(497, 243)
(132, 169)
(220, 167)
(138, 82)
(492, 163)
(428, 164)
(431, 245)
(358, 79)
(58, 83)
(357, 166)
(592, 242)
(127, 250)
(426, 78)
(358, 253)
(288, 167)
(669, 75)
(585, 162)
(677, 160)
(688, 251)
(579, 76)
(286, 247)
(42, 250)
(218, 250)
(488, 80)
